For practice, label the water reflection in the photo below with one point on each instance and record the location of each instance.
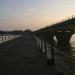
(64, 55)
(66, 58)
(72, 41)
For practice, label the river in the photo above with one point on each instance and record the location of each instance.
(64, 56)
(66, 62)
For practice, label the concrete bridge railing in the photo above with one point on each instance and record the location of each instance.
(5, 38)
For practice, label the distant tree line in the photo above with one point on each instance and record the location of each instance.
(15, 32)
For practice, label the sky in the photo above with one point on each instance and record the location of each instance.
(33, 14)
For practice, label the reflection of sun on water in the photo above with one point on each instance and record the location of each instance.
(55, 38)
(72, 41)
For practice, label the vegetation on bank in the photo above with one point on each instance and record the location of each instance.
(14, 32)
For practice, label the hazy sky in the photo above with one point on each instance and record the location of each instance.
(33, 14)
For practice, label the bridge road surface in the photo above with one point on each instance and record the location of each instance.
(22, 56)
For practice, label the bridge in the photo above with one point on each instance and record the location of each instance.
(62, 30)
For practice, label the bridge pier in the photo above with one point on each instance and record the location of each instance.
(63, 38)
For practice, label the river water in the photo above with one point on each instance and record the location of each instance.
(64, 56)
(72, 41)
(70, 47)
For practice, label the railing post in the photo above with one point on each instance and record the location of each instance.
(8, 38)
(52, 49)
(37, 39)
(45, 47)
(5, 39)
(41, 45)
(2, 40)
(52, 54)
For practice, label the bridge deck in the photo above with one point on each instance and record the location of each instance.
(22, 57)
